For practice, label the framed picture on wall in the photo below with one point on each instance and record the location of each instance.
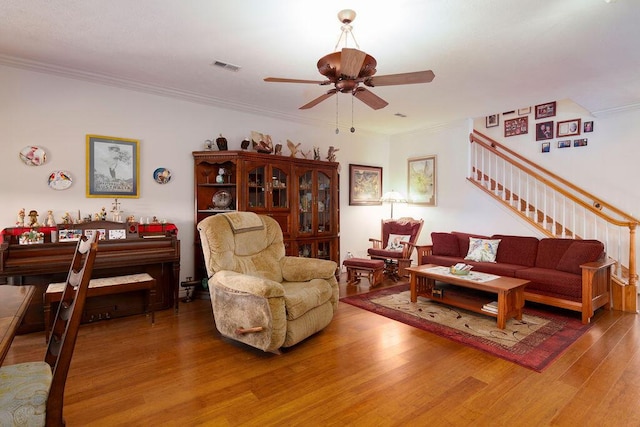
(421, 180)
(113, 167)
(365, 185)
(492, 120)
(568, 128)
(544, 130)
(519, 126)
(545, 110)
(588, 127)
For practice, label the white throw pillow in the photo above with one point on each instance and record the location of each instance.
(394, 242)
(482, 250)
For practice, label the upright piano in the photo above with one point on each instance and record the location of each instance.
(131, 248)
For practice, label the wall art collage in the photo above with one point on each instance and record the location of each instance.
(545, 129)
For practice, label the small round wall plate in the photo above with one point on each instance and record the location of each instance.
(162, 175)
(33, 156)
(60, 180)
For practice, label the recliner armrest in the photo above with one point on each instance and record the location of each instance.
(248, 284)
(300, 269)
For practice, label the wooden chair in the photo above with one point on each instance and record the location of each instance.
(397, 257)
(33, 393)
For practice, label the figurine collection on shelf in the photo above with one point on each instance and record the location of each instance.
(263, 143)
(34, 236)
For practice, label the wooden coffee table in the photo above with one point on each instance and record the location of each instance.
(510, 291)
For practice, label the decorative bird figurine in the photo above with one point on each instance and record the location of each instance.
(331, 155)
(293, 148)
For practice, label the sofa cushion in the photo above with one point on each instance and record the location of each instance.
(552, 282)
(482, 250)
(550, 251)
(463, 241)
(445, 244)
(446, 261)
(580, 252)
(517, 250)
(501, 269)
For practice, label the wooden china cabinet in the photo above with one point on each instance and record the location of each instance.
(301, 195)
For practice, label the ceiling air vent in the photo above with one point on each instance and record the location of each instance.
(226, 66)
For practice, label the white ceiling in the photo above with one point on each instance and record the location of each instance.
(488, 56)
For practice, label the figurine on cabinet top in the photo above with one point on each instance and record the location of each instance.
(293, 148)
(50, 222)
(33, 218)
(66, 219)
(331, 155)
(278, 151)
(316, 153)
(21, 215)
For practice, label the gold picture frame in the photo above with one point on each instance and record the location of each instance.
(113, 167)
(422, 180)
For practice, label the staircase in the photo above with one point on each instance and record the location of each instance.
(558, 208)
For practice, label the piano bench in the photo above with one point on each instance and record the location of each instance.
(100, 287)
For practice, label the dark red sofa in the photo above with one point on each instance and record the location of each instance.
(566, 273)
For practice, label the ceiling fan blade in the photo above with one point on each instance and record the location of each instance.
(351, 61)
(318, 100)
(370, 98)
(401, 79)
(284, 80)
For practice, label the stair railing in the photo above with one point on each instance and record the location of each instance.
(557, 207)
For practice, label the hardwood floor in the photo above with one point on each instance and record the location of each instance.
(363, 369)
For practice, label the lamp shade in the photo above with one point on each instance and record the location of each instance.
(393, 197)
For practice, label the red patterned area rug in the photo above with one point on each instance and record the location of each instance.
(533, 342)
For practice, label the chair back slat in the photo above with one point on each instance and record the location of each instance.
(66, 324)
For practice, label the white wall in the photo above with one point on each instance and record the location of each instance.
(57, 113)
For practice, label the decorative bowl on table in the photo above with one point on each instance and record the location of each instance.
(459, 272)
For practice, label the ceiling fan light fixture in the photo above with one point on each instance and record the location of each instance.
(346, 16)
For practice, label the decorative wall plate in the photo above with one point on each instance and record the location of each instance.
(33, 156)
(162, 175)
(221, 200)
(60, 180)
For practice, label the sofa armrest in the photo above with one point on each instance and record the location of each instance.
(244, 283)
(596, 286)
(423, 251)
(300, 269)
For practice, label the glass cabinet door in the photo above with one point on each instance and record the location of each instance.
(324, 202)
(305, 201)
(279, 188)
(256, 197)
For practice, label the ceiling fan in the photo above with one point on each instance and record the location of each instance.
(348, 68)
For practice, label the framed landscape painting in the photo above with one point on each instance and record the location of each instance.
(365, 185)
(422, 180)
(113, 167)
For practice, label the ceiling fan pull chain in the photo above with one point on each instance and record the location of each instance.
(352, 128)
(337, 130)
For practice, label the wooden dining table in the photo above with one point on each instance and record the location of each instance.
(14, 301)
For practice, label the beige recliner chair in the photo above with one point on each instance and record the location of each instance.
(260, 296)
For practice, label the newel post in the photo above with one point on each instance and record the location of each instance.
(631, 291)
